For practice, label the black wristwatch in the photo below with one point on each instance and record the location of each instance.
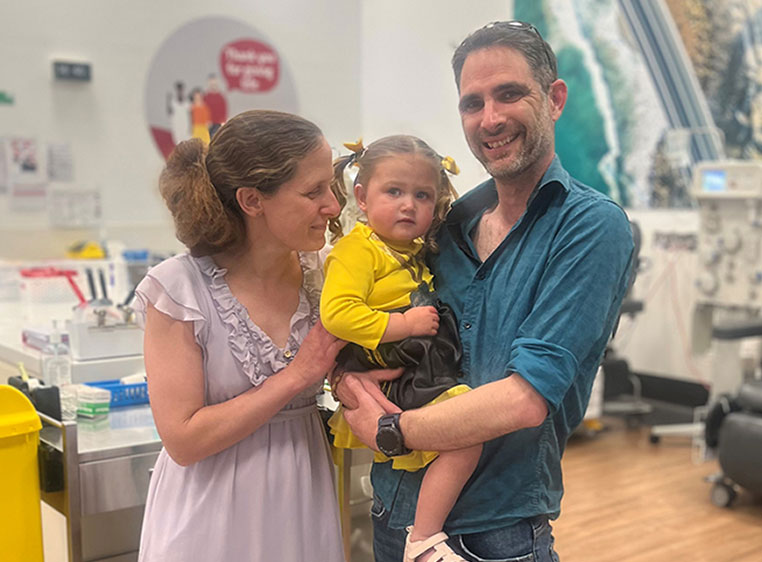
(389, 436)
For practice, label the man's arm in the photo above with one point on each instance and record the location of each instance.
(479, 415)
(589, 266)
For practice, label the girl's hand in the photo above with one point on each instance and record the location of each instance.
(422, 320)
(317, 355)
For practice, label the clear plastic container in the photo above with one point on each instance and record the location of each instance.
(56, 371)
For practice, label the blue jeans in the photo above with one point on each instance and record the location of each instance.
(529, 540)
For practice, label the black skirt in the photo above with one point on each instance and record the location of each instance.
(432, 363)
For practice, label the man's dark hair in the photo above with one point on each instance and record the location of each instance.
(517, 35)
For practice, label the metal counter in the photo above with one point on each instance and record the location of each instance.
(13, 351)
(96, 474)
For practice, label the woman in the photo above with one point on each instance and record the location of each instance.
(235, 354)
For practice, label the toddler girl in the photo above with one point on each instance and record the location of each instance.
(378, 295)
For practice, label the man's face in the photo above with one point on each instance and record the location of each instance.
(507, 118)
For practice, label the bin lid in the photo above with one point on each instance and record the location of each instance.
(17, 414)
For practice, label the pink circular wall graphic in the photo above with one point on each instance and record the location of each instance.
(207, 71)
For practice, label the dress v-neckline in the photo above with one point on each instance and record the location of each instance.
(303, 308)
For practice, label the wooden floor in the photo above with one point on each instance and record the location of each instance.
(627, 500)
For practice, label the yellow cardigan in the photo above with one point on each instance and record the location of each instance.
(363, 279)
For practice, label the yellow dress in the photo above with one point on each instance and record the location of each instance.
(363, 280)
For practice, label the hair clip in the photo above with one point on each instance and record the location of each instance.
(357, 149)
(356, 146)
(448, 163)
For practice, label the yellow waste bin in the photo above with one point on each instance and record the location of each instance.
(20, 520)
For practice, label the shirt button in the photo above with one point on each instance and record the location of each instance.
(467, 325)
(287, 354)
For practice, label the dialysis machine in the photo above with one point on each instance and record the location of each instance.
(729, 195)
(729, 272)
(729, 276)
(729, 287)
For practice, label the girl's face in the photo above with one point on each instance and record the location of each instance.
(297, 213)
(399, 197)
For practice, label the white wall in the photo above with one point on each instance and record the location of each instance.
(407, 82)
(104, 120)
(361, 68)
(403, 84)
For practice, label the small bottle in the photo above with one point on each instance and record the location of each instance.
(56, 371)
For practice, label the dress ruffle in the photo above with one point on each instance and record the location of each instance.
(165, 288)
(258, 356)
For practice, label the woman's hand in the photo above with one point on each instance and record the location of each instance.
(317, 355)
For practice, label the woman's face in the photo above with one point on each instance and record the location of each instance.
(297, 213)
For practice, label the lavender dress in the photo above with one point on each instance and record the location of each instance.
(270, 497)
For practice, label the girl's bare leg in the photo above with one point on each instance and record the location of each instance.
(441, 486)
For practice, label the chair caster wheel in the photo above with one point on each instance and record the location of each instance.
(723, 494)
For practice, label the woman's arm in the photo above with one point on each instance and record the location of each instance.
(191, 431)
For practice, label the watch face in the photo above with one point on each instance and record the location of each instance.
(388, 440)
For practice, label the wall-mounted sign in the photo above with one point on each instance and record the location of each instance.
(78, 71)
(207, 71)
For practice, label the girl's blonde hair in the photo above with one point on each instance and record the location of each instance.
(368, 158)
(258, 148)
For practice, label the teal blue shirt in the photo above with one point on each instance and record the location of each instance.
(543, 305)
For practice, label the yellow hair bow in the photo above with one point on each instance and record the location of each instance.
(448, 163)
(356, 146)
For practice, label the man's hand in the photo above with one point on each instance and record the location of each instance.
(371, 405)
(344, 392)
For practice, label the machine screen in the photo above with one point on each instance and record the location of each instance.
(714, 181)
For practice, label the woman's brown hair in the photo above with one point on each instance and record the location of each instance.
(257, 148)
(387, 147)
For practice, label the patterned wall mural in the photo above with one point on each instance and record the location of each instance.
(655, 87)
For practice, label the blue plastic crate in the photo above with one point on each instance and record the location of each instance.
(130, 394)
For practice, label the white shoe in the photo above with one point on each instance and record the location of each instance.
(441, 552)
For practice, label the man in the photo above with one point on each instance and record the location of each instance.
(535, 265)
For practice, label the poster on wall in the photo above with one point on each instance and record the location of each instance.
(207, 71)
(24, 161)
(75, 208)
(60, 162)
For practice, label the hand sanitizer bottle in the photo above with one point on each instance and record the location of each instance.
(56, 370)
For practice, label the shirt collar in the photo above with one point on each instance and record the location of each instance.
(471, 206)
(484, 195)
